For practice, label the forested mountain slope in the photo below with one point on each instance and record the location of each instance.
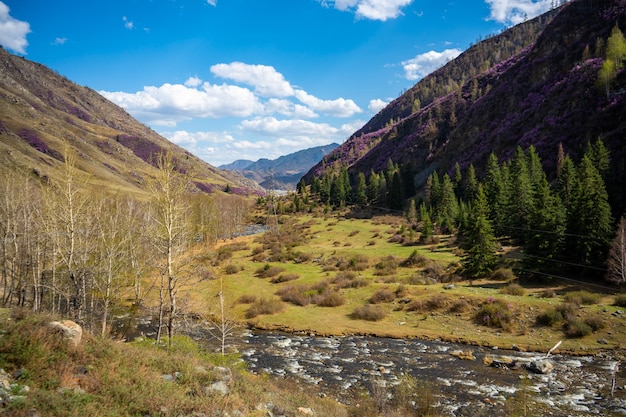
(535, 84)
(41, 111)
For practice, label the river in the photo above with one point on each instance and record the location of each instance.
(343, 367)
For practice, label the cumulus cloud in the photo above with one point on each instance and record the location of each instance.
(193, 82)
(265, 79)
(12, 31)
(377, 105)
(212, 2)
(172, 103)
(339, 107)
(424, 64)
(370, 9)
(512, 12)
(273, 127)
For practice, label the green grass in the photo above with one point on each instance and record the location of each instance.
(336, 252)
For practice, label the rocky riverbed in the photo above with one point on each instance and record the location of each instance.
(346, 366)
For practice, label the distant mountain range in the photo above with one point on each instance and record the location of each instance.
(41, 112)
(534, 84)
(283, 173)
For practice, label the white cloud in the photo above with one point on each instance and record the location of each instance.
(516, 11)
(265, 79)
(128, 24)
(193, 82)
(212, 2)
(271, 126)
(288, 108)
(377, 105)
(12, 31)
(340, 107)
(172, 103)
(424, 64)
(370, 9)
(59, 41)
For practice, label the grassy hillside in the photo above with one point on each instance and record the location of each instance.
(332, 275)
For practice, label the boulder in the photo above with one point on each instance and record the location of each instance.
(541, 366)
(71, 331)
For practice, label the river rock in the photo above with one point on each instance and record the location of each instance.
(541, 366)
(219, 388)
(72, 332)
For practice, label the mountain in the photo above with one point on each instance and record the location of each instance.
(283, 173)
(41, 112)
(534, 84)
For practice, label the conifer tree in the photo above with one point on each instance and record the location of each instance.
(470, 184)
(545, 236)
(373, 187)
(360, 190)
(448, 208)
(520, 189)
(495, 191)
(478, 240)
(394, 197)
(591, 219)
(616, 262)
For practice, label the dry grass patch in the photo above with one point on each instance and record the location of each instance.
(264, 306)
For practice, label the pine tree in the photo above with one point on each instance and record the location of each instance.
(520, 205)
(545, 237)
(478, 240)
(592, 219)
(360, 190)
(373, 188)
(448, 208)
(394, 196)
(616, 262)
(470, 184)
(495, 191)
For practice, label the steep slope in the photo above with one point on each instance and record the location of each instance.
(41, 112)
(544, 94)
(282, 173)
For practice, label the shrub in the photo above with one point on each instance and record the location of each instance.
(224, 253)
(567, 310)
(387, 266)
(247, 299)
(577, 328)
(401, 291)
(549, 318)
(369, 312)
(265, 306)
(268, 271)
(437, 301)
(349, 279)
(382, 296)
(331, 299)
(231, 269)
(285, 278)
(416, 305)
(595, 322)
(620, 300)
(414, 260)
(295, 294)
(460, 306)
(495, 313)
(513, 289)
(433, 271)
(549, 293)
(503, 274)
(582, 297)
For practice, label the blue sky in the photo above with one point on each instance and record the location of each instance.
(250, 79)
